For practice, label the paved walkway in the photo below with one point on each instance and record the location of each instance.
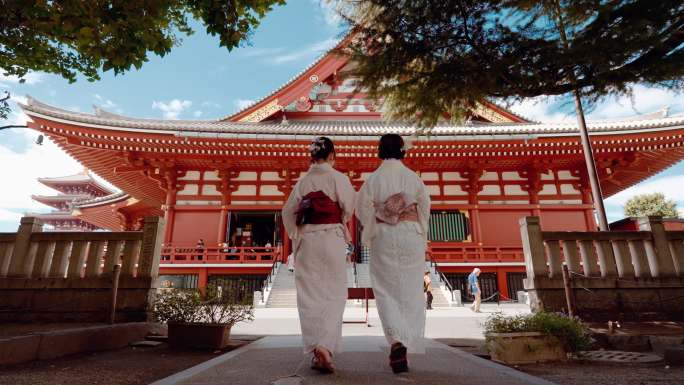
(278, 360)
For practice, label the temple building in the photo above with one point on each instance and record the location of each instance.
(72, 190)
(225, 181)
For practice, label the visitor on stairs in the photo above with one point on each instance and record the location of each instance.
(394, 207)
(427, 287)
(315, 217)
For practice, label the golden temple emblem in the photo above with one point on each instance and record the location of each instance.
(263, 112)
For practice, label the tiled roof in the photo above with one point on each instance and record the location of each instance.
(337, 128)
(111, 198)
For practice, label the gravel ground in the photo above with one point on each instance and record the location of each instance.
(588, 373)
(127, 366)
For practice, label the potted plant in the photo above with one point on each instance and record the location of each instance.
(201, 320)
(539, 337)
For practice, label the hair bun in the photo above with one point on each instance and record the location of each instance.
(317, 146)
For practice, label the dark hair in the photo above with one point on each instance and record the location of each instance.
(391, 146)
(321, 148)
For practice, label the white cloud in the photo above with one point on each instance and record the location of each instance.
(210, 104)
(309, 52)
(36, 161)
(670, 186)
(329, 12)
(241, 104)
(261, 52)
(107, 104)
(173, 108)
(643, 100)
(542, 109)
(30, 78)
(197, 113)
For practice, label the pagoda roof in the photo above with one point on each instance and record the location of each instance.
(83, 178)
(351, 129)
(59, 198)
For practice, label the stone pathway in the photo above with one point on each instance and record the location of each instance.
(278, 360)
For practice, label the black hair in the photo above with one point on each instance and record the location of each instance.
(391, 146)
(321, 148)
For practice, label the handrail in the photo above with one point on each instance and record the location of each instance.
(441, 276)
(269, 278)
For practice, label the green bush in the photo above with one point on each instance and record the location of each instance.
(572, 333)
(216, 306)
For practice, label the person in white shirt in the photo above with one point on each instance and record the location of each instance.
(394, 207)
(315, 217)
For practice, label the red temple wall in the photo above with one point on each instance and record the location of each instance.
(189, 226)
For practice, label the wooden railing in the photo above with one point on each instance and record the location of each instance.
(60, 275)
(190, 254)
(443, 252)
(614, 272)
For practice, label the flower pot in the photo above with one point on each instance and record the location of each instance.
(524, 348)
(198, 335)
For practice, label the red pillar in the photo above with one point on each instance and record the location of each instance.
(502, 281)
(170, 214)
(202, 278)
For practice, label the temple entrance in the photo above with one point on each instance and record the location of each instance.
(254, 228)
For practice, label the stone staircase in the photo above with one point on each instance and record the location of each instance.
(283, 292)
(439, 290)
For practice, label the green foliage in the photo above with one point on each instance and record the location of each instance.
(217, 306)
(71, 37)
(4, 105)
(570, 331)
(654, 204)
(425, 58)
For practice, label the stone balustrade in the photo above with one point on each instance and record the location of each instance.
(59, 276)
(615, 274)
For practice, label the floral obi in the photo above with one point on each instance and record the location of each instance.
(397, 208)
(316, 208)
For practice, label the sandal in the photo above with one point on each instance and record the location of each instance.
(398, 360)
(321, 363)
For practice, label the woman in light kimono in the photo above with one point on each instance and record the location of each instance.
(393, 207)
(315, 217)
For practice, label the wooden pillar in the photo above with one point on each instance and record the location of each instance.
(502, 282)
(169, 214)
(223, 220)
(473, 188)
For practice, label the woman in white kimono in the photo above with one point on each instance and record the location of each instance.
(394, 207)
(315, 217)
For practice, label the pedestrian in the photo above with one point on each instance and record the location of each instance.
(394, 207)
(290, 262)
(474, 289)
(315, 217)
(199, 248)
(427, 287)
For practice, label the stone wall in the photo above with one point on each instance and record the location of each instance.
(616, 275)
(71, 276)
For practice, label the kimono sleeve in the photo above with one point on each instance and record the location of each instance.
(346, 197)
(289, 212)
(423, 207)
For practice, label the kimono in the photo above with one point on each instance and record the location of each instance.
(320, 263)
(397, 249)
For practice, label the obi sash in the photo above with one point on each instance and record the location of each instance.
(397, 208)
(316, 208)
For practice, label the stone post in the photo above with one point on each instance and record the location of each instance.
(20, 264)
(153, 232)
(533, 247)
(662, 263)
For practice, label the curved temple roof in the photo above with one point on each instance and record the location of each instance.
(358, 129)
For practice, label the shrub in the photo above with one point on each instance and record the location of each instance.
(572, 333)
(217, 306)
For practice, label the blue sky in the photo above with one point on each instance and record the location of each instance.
(200, 80)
